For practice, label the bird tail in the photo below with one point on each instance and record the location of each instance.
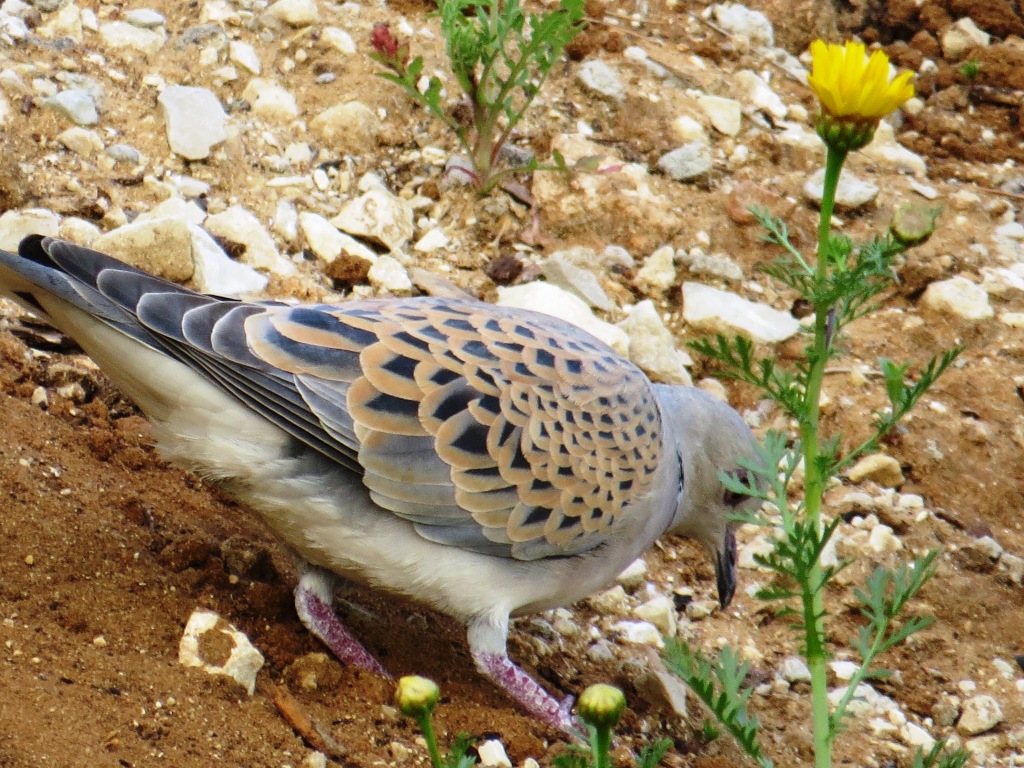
(48, 277)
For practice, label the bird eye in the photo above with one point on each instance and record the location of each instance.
(732, 498)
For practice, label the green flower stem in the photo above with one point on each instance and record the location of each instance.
(600, 744)
(811, 592)
(427, 728)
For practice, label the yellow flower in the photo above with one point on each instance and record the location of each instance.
(855, 92)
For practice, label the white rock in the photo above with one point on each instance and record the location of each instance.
(651, 346)
(851, 192)
(245, 56)
(145, 18)
(958, 296)
(1005, 669)
(195, 120)
(187, 186)
(162, 247)
(866, 701)
(121, 34)
(81, 141)
(760, 95)
(639, 633)
(740, 21)
(600, 78)
(984, 749)
(998, 281)
(17, 225)
(338, 39)
(350, 128)
(686, 162)
(67, 22)
(759, 546)
(76, 104)
(322, 237)
(552, 300)
(634, 574)
(238, 225)
(612, 601)
(377, 215)
(726, 115)
(286, 221)
(889, 153)
(687, 130)
(174, 207)
(298, 153)
(795, 670)
(989, 546)
(387, 273)
(270, 101)
(879, 467)
(916, 736)
(217, 273)
(492, 753)
(658, 272)
(13, 28)
(432, 239)
(716, 265)
(5, 109)
(882, 540)
(1009, 241)
(797, 136)
(659, 611)
(78, 231)
(711, 309)
(1013, 567)
(295, 13)
(577, 280)
(328, 244)
(961, 36)
(220, 12)
(981, 713)
(244, 661)
(844, 670)
(700, 609)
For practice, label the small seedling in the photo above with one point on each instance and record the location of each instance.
(500, 57)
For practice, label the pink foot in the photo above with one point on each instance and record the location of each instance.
(528, 693)
(314, 604)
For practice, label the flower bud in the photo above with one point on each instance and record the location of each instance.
(601, 705)
(416, 696)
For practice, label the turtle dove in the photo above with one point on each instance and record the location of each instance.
(485, 461)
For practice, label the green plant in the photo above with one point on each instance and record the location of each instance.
(841, 285)
(500, 56)
(416, 698)
(969, 69)
(600, 708)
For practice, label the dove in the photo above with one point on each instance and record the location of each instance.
(485, 461)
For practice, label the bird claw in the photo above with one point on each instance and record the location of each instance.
(314, 605)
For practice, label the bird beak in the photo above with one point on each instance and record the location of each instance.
(725, 569)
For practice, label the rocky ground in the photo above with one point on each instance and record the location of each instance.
(293, 172)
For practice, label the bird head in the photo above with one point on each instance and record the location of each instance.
(708, 437)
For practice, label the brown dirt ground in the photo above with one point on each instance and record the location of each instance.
(106, 550)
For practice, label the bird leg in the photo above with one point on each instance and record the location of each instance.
(314, 598)
(487, 645)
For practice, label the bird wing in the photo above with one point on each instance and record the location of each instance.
(492, 429)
